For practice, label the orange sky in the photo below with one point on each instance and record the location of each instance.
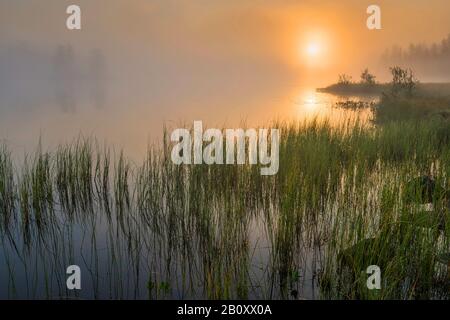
(180, 60)
(269, 33)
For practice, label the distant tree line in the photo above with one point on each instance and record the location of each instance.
(58, 75)
(419, 51)
(428, 60)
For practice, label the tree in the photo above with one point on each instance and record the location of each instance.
(367, 78)
(344, 79)
(403, 81)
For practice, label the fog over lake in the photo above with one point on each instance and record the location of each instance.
(135, 67)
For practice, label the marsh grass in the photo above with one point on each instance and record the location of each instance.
(417, 107)
(336, 206)
(7, 186)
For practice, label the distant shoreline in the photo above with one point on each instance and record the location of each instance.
(354, 88)
(378, 88)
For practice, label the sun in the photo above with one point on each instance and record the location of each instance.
(312, 52)
(313, 49)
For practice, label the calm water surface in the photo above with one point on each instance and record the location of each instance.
(132, 262)
(132, 120)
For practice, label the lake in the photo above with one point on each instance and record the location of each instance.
(122, 252)
(133, 119)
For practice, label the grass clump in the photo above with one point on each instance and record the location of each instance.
(345, 197)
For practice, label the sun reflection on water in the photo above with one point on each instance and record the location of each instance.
(311, 105)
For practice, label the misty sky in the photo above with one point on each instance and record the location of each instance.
(202, 36)
(179, 60)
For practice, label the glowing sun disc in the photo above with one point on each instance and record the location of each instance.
(313, 49)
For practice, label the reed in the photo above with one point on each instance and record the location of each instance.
(340, 202)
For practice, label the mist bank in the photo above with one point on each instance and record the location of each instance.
(431, 62)
(30, 77)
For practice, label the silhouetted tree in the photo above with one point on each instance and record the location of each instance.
(64, 68)
(403, 81)
(97, 70)
(367, 78)
(344, 79)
